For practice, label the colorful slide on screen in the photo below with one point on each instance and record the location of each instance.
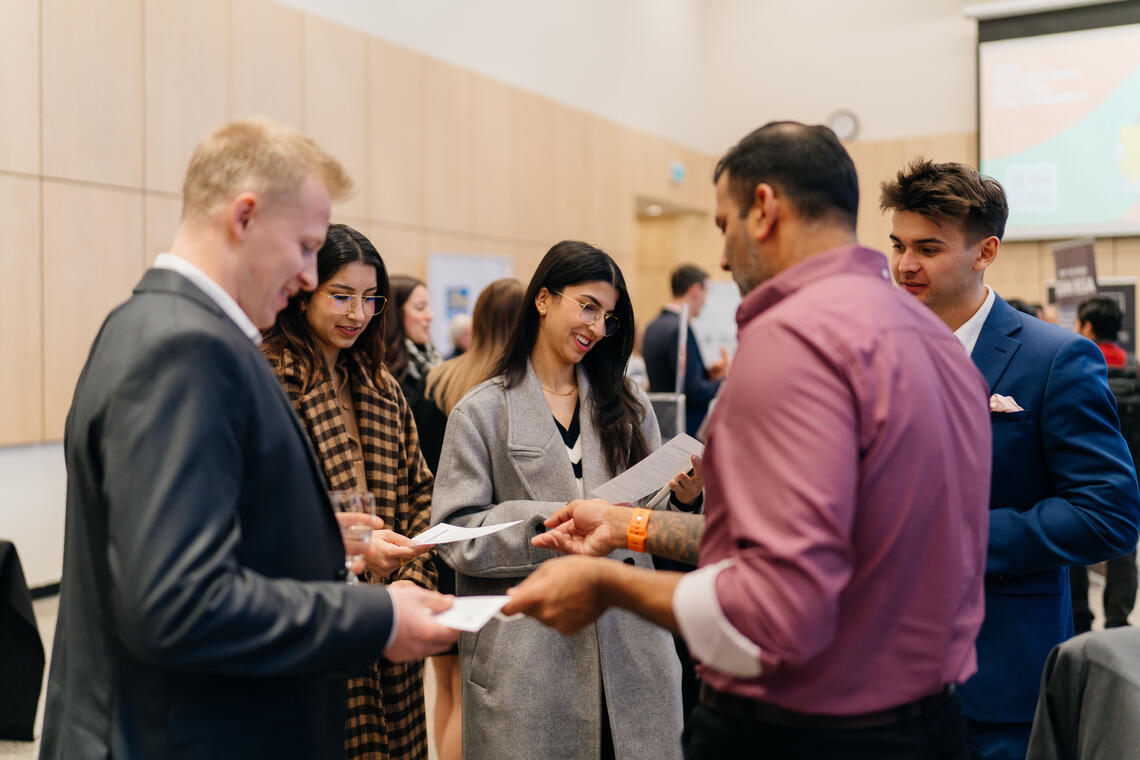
(1060, 129)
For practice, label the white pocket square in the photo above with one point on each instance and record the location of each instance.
(1000, 403)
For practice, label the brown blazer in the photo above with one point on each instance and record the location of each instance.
(385, 706)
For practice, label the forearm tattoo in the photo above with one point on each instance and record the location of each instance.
(675, 535)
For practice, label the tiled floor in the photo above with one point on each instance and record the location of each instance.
(48, 607)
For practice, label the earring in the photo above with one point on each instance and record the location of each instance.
(542, 312)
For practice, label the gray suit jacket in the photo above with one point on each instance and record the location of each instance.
(1089, 708)
(530, 693)
(200, 615)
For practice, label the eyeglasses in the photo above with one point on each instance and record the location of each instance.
(345, 303)
(592, 313)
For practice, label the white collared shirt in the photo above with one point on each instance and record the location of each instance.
(215, 291)
(968, 333)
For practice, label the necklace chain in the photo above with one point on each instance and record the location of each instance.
(570, 392)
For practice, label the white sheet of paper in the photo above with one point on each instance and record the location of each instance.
(470, 613)
(445, 533)
(651, 473)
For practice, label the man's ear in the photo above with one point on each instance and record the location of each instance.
(764, 212)
(987, 253)
(241, 214)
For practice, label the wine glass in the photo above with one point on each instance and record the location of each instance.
(354, 511)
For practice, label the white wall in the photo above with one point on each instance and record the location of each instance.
(704, 72)
(32, 490)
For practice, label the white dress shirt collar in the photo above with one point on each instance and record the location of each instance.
(212, 289)
(969, 332)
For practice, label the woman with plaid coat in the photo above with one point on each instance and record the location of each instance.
(327, 348)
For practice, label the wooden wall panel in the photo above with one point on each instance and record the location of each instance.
(162, 215)
(93, 239)
(571, 186)
(609, 194)
(187, 83)
(266, 53)
(403, 248)
(93, 91)
(21, 310)
(493, 133)
(450, 183)
(336, 102)
(396, 132)
(533, 167)
(20, 86)
(874, 162)
(960, 147)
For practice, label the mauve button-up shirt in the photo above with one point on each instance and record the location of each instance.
(847, 476)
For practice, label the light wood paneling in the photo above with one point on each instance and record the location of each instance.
(1016, 273)
(403, 248)
(20, 86)
(21, 310)
(162, 215)
(266, 55)
(93, 91)
(336, 102)
(450, 183)
(187, 83)
(493, 132)
(396, 129)
(533, 167)
(874, 163)
(610, 193)
(959, 147)
(570, 189)
(93, 241)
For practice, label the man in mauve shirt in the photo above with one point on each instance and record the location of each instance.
(847, 471)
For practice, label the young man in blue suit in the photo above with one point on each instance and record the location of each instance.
(1064, 488)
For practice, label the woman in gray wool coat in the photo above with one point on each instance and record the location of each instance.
(557, 420)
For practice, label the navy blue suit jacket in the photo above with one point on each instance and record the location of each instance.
(1063, 493)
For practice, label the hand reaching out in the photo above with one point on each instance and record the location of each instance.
(388, 549)
(585, 526)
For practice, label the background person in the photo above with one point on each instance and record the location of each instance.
(557, 420)
(1064, 487)
(1099, 319)
(492, 322)
(689, 285)
(327, 347)
(409, 353)
(203, 610)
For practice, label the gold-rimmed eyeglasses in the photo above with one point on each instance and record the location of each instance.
(345, 303)
(591, 313)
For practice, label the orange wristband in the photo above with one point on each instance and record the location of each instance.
(638, 529)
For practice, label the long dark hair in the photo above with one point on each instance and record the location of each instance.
(617, 412)
(402, 286)
(343, 246)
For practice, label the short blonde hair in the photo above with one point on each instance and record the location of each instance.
(255, 155)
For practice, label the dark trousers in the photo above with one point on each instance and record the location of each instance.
(936, 734)
(1119, 593)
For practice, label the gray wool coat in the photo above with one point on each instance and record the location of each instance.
(530, 693)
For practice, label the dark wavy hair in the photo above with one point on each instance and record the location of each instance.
(617, 412)
(343, 245)
(394, 333)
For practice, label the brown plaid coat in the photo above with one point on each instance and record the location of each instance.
(385, 706)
